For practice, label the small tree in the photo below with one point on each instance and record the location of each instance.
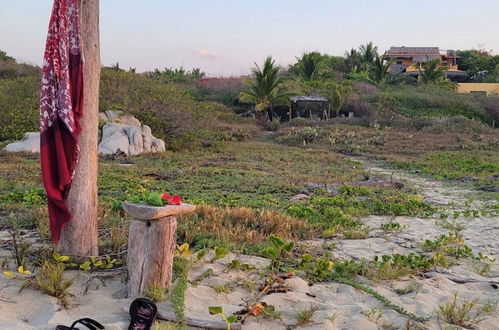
(265, 91)
(368, 54)
(430, 73)
(338, 94)
(379, 73)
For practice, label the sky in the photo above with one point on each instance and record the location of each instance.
(226, 37)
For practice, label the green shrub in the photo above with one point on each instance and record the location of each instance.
(19, 102)
(435, 102)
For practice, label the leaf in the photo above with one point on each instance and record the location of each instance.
(235, 264)
(135, 199)
(86, 266)
(271, 253)
(231, 319)
(214, 310)
(201, 254)
(289, 247)
(8, 274)
(21, 270)
(306, 257)
(58, 257)
(184, 247)
(98, 263)
(154, 199)
(257, 309)
(220, 252)
(276, 241)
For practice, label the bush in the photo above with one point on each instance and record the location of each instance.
(435, 102)
(300, 136)
(359, 107)
(170, 110)
(223, 90)
(19, 102)
(491, 105)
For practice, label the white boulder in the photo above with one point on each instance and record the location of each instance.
(30, 143)
(114, 137)
(136, 143)
(121, 132)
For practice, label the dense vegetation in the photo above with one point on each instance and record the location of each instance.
(185, 107)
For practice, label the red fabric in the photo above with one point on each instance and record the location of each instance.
(61, 107)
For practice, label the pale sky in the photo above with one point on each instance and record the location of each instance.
(225, 37)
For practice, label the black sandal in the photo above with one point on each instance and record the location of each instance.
(89, 323)
(143, 312)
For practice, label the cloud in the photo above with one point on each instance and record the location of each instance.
(203, 53)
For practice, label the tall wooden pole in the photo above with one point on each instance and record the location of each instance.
(79, 236)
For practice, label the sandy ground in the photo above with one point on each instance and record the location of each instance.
(100, 295)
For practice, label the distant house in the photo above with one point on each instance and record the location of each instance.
(409, 59)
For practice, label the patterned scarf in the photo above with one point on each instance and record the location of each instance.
(61, 107)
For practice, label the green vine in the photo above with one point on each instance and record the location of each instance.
(178, 294)
(381, 298)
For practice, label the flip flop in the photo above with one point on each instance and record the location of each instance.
(89, 323)
(143, 312)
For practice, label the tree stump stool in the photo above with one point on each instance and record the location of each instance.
(151, 244)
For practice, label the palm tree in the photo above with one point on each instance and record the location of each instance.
(379, 73)
(368, 53)
(264, 91)
(307, 67)
(352, 59)
(431, 74)
(338, 94)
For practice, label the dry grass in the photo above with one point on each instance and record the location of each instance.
(466, 314)
(241, 224)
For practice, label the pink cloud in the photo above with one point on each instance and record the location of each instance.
(203, 53)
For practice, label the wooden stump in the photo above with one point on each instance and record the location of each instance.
(151, 244)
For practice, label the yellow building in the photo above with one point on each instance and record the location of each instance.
(478, 88)
(409, 59)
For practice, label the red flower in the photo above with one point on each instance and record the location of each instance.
(175, 200)
(166, 197)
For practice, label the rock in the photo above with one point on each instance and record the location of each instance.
(493, 178)
(310, 186)
(114, 137)
(299, 197)
(121, 133)
(30, 143)
(147, 138)
(103, 117)
(363, 177)
(489, 188)
(113, 115)
(297, 284)
(157, 145)
(94, 284)
(398, 185)
(469, 179)
(120, 118)
(129, 120)
(333, 190)
(136, 144)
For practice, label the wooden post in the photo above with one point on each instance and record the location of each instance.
(151, 244)
(79, 236)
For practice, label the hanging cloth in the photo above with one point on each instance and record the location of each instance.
(61, 107)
